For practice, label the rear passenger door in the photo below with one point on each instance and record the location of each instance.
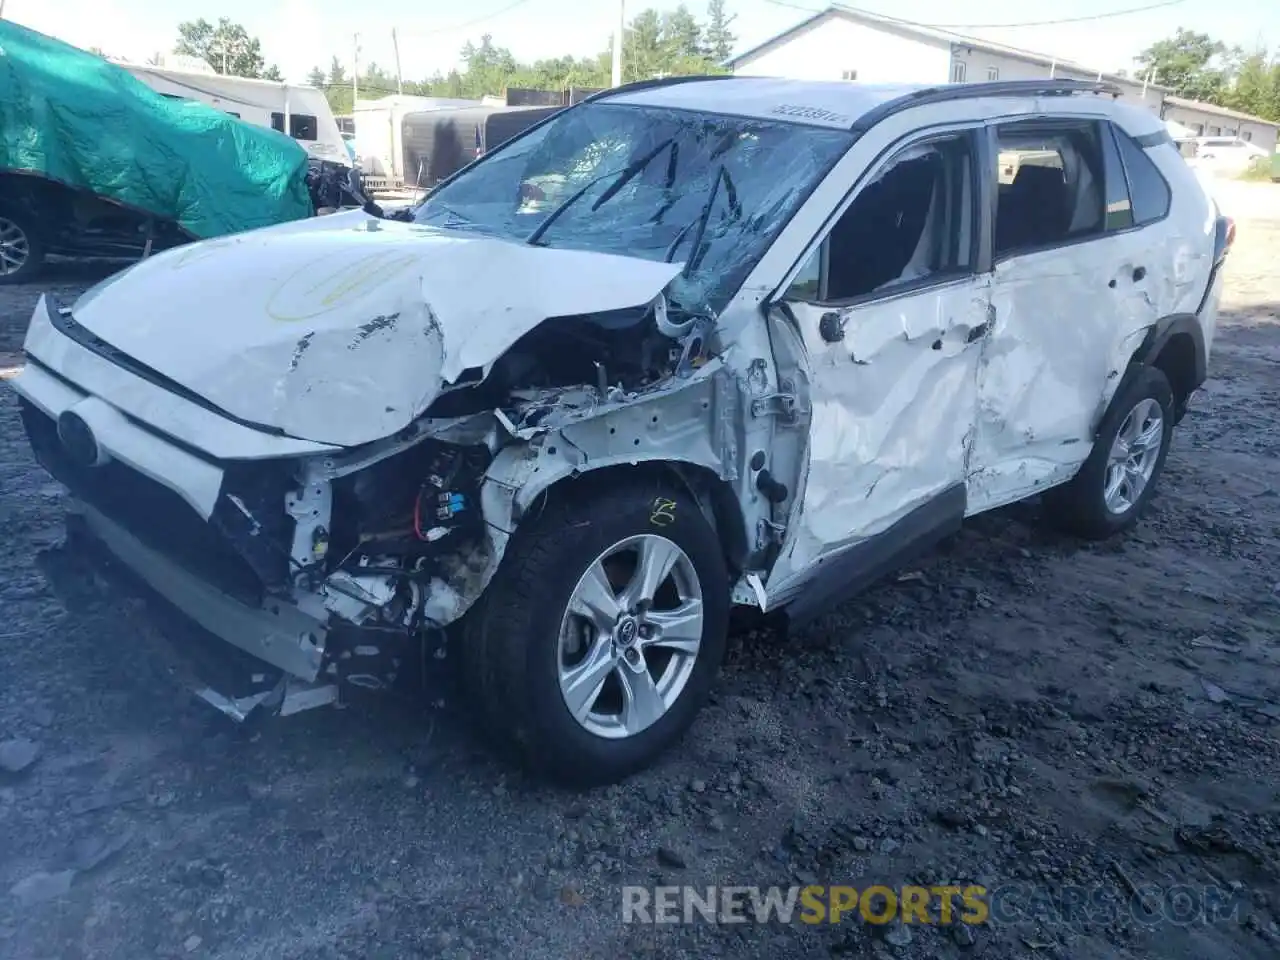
(1071, 298)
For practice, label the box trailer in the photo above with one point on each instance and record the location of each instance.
(440, 142)
(379, 134)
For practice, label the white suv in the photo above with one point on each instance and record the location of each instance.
(767, 340)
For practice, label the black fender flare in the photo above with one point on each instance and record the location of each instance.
(1164, 330)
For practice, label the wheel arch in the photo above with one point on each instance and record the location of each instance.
(714, 494)
(1175, 346)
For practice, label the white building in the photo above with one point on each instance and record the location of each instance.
(842, 44)
(1211, 120)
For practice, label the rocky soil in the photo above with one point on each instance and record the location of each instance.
(1020, 710)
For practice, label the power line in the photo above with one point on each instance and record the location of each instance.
(454, 28)
(988, 26)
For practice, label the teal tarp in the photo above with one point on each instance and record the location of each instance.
(75, 118)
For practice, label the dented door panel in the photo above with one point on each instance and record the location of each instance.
(1064, 324)
(893, 405)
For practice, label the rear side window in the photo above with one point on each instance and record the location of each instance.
(1147, 187)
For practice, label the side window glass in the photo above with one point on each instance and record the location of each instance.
(1050, 184)
(807, 285)
(911, 223)
(1147, 186)
(303, 126)
(1119, 212)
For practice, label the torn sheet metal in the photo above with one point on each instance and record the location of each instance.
(892, 411)
(345, 335)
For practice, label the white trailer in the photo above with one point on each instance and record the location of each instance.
(380, 135)
(301, 111)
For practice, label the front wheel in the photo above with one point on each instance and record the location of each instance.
(1115, 484)
(21, 250)
(599, 638)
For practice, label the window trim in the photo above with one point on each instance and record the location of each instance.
(1112, 157)
(993, 74)
(982, 199)
(1049, 121)
(959, 71)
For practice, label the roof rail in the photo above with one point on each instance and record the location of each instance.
(655, 82)
(968, 91)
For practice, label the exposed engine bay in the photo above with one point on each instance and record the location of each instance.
(390, 540)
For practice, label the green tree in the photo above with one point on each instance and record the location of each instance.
(227, 47)
(681, 35)
(337, 73)
(717, 36)
(1185, 63)
(1251, 89)
(316, 78)
(643, 55)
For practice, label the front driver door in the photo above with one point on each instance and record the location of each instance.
(891, 307)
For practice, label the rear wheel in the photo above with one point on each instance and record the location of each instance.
(599, 638)
(21, 252)
(1115, 484)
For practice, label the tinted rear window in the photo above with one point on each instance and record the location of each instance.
(1147, 187)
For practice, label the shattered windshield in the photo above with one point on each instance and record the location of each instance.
(704, 190)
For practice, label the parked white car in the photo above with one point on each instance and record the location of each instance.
(768, 340)
(1229, 155)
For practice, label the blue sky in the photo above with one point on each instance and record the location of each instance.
(297, 34)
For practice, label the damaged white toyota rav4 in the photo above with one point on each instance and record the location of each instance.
(689, 344)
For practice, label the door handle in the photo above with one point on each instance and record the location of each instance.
(1139, 273)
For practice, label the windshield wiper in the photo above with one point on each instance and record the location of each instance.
(623, 177)
(704, 218)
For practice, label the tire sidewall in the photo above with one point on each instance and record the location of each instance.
(668, 513)
(1143, 384)
(35, 247)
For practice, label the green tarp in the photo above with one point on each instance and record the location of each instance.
(73, 117)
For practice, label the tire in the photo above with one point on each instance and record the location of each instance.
(515, 651)
(18, 238)
(1081, 506)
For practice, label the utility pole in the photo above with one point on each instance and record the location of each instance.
(355, 70)
(395, 45)
(618, 33)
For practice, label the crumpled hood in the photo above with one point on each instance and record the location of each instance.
(343, 328)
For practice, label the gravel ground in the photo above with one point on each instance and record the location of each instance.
(1019, 709)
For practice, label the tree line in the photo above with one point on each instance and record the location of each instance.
(675, 43)
(1197, 67)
